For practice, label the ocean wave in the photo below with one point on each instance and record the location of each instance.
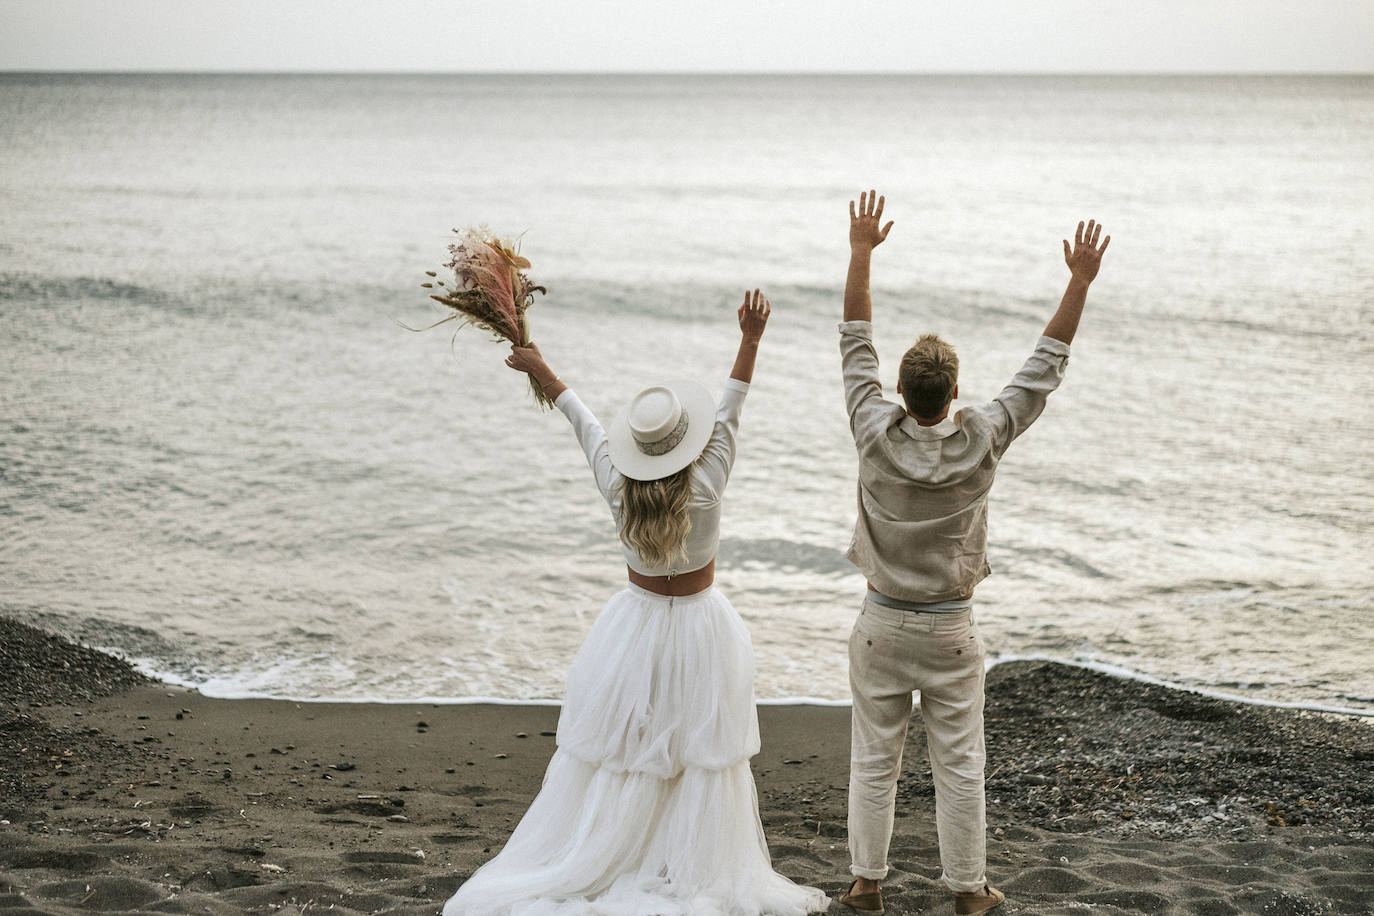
(783, 554)
(1018, 558)
(599, 296)
(263, 298)
(230, 687)
(32, 288)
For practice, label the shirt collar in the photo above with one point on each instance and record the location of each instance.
(942, 430)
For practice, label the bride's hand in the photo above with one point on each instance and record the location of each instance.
(528, 359)
(753, 315)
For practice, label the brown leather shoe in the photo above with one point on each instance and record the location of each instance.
(871, 902)
(977, 901)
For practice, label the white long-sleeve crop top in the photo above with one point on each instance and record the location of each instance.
(710, 471)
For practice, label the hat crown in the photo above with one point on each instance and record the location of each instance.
(654, 413)
(660, 430)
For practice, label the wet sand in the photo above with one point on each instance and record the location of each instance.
(1105, 796)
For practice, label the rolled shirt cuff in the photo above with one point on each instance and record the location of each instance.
(1052, 345)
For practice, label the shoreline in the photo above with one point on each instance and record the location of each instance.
(126, 794)
(1107, 668)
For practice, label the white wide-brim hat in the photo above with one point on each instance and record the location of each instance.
(662, 430)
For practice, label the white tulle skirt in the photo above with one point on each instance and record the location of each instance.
(648, 805)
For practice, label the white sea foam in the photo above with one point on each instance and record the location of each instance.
(227, 688)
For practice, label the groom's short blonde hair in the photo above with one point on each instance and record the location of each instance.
(929, 372)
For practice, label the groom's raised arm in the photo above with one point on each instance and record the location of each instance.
(864, 236)
(1020, 403)
(863, 393)
(1083, 259)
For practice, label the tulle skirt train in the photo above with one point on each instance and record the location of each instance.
(648, 805)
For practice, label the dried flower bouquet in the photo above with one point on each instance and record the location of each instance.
(489, 289)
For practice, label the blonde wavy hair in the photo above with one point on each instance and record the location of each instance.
(654, 517)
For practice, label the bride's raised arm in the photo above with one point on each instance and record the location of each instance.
(753, 317)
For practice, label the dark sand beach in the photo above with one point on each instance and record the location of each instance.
(1105, 796)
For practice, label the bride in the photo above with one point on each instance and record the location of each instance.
(648, 805)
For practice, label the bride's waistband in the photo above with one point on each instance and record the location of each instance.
(644, 592)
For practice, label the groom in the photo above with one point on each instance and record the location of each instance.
(920, 540)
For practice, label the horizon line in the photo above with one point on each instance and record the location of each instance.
(680, 73)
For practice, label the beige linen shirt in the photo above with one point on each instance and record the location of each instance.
(922, 529)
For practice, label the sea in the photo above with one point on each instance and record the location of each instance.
(223, 457)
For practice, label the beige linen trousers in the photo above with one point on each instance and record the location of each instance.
(892, 653)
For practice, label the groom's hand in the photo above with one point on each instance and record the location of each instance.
(864, 234)
(1085, 257)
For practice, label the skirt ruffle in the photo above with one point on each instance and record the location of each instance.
(661, 684)
(648, 805)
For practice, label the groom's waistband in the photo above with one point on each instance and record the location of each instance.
(952, 606)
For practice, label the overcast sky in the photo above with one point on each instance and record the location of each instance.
(690, 35)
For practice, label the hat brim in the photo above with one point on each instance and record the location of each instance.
(701, 420)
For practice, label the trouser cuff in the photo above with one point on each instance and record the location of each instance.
(873, 874)
(962, 887)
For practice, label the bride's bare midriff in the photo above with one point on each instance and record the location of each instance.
(689, 583)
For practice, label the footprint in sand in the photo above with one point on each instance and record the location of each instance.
(99, 894)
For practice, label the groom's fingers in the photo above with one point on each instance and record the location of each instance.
(878, 214)
(852, 214)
